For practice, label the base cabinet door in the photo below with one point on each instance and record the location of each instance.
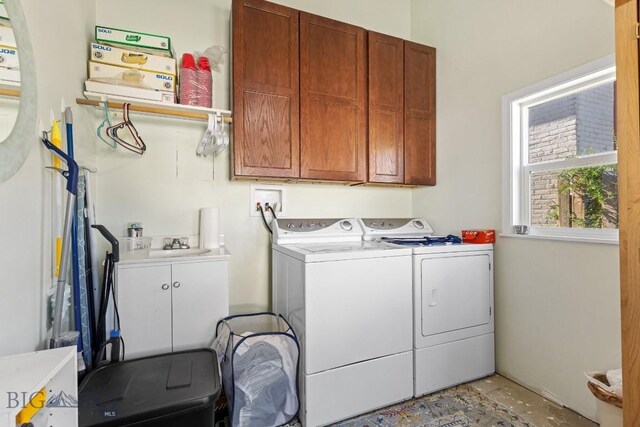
(144, 304)
(171, 307)
(200, 300)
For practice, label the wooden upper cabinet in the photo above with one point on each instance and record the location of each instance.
(386, 108)
(333, 98)
(265, 90)
(419, 114)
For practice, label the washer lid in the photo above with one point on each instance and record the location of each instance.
(375, 228)
(339, 251)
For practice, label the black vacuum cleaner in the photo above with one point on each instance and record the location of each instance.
(167, 390)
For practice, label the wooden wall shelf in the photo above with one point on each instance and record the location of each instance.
(153, 108)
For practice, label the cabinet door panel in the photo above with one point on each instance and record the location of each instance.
(266, 140)
(386, 108)
(333, 151)
(420, 114)
(267, 120)
(332, 100)
(145, 310)
(200, 299)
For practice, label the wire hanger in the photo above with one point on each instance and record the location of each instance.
(106, 122)
(139, 146)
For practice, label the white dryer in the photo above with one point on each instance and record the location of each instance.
(350, 303)
(453, 328)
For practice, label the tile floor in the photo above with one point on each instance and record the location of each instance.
(534, 408)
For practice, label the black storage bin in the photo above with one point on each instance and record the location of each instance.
(168, 390)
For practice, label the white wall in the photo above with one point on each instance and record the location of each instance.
(149, 189)
(56, 28)
(557, 304)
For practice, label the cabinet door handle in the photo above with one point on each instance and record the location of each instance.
(165, 286)
(176, 284)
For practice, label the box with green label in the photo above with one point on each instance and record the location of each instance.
(134, 39)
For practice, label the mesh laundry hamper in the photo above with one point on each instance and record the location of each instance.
(258, 355)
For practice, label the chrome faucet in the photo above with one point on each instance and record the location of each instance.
(175, 243)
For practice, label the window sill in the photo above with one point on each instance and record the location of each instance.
(570, 239)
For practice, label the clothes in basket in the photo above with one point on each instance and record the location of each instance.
(258, 356)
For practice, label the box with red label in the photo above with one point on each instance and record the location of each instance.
(479, 236)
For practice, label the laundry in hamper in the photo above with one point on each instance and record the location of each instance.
(258, 355)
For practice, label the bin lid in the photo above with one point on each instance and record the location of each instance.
(142, 389)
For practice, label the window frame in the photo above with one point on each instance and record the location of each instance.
(516, 169)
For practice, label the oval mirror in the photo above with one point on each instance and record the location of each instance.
(17, 89)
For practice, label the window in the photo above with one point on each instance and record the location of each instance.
(560, 156)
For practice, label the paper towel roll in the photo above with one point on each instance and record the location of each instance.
(209, 228)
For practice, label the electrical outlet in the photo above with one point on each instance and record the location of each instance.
(271, 195)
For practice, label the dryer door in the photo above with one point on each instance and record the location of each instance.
(456, 292)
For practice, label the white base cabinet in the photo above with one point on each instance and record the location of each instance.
(171, 306)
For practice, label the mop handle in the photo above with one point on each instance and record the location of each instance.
(72, 174)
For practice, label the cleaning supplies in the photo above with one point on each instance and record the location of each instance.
(71, 175)
(56, 139)
(75, 266)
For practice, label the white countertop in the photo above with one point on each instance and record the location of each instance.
(217, 254)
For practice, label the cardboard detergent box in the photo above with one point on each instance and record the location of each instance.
(7, 37)
(9, 57)
(134, 39)
(130, 92)
(137, 78)
(131, 59)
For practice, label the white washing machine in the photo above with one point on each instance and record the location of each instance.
(350, 303)
(453, 328)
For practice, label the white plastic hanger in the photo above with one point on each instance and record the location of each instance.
(215, 139)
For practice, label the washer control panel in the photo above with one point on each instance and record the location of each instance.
(287, 230)
(307, 225)
(375, 228)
